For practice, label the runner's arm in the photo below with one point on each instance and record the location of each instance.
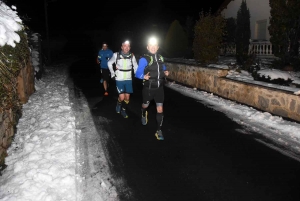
(140, 69)
(110, 65)
(135, 65)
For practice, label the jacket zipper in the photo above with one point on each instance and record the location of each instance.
(158, 74)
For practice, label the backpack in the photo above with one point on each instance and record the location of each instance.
(118, 58)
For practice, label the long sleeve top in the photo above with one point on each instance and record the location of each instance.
(104, 56)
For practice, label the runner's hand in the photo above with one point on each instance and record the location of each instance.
(147, 76)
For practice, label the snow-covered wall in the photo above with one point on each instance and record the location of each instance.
(10, 24)
(213, 80)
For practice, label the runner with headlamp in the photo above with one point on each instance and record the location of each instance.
(125, 61)
(152, 70)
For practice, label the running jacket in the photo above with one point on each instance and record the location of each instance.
(104, 56)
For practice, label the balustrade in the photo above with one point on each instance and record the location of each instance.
(263, 48)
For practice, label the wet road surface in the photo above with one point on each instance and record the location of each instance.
(203, 156)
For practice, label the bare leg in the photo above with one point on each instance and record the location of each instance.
(124, 100)
(121, 97)
(159, 116)
(126, 97)
(105, 85)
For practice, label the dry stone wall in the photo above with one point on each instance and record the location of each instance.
(213, 80)
(25, 87)
(6, 133)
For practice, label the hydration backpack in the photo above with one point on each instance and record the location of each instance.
(129, 57)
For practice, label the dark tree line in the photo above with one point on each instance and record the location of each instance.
(285, 31)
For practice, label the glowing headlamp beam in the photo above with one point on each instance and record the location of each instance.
(152, 41)
(126, 42)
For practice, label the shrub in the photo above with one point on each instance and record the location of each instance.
(12, 59)
(209, 31)
(278, 81)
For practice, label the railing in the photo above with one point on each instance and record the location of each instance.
(263, 48)
(228, 49)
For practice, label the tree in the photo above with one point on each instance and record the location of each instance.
(189, 29)
(284, 29)
(209, 31)
(243, 33)
(230, 30)
(176, 41)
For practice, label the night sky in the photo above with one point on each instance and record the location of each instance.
(99, 14)
(128, 20)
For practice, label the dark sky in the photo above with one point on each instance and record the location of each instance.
(96, 14)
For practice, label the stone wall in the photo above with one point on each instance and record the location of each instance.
(213, 80)
(25, 87)
(6, 133)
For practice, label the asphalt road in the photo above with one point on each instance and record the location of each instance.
(204, 155)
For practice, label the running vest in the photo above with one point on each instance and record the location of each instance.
(120, 56)
(124, 64)
(155, 68)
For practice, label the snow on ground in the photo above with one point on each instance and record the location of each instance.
(57, 154)
(50, 157)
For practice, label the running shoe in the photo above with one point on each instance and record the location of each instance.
(123, 113)
(159, 135)
(145, 118)
(118, 108)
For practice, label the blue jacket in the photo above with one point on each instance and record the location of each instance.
(104, 56)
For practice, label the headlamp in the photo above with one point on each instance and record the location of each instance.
(152, 41)
(126, 42)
